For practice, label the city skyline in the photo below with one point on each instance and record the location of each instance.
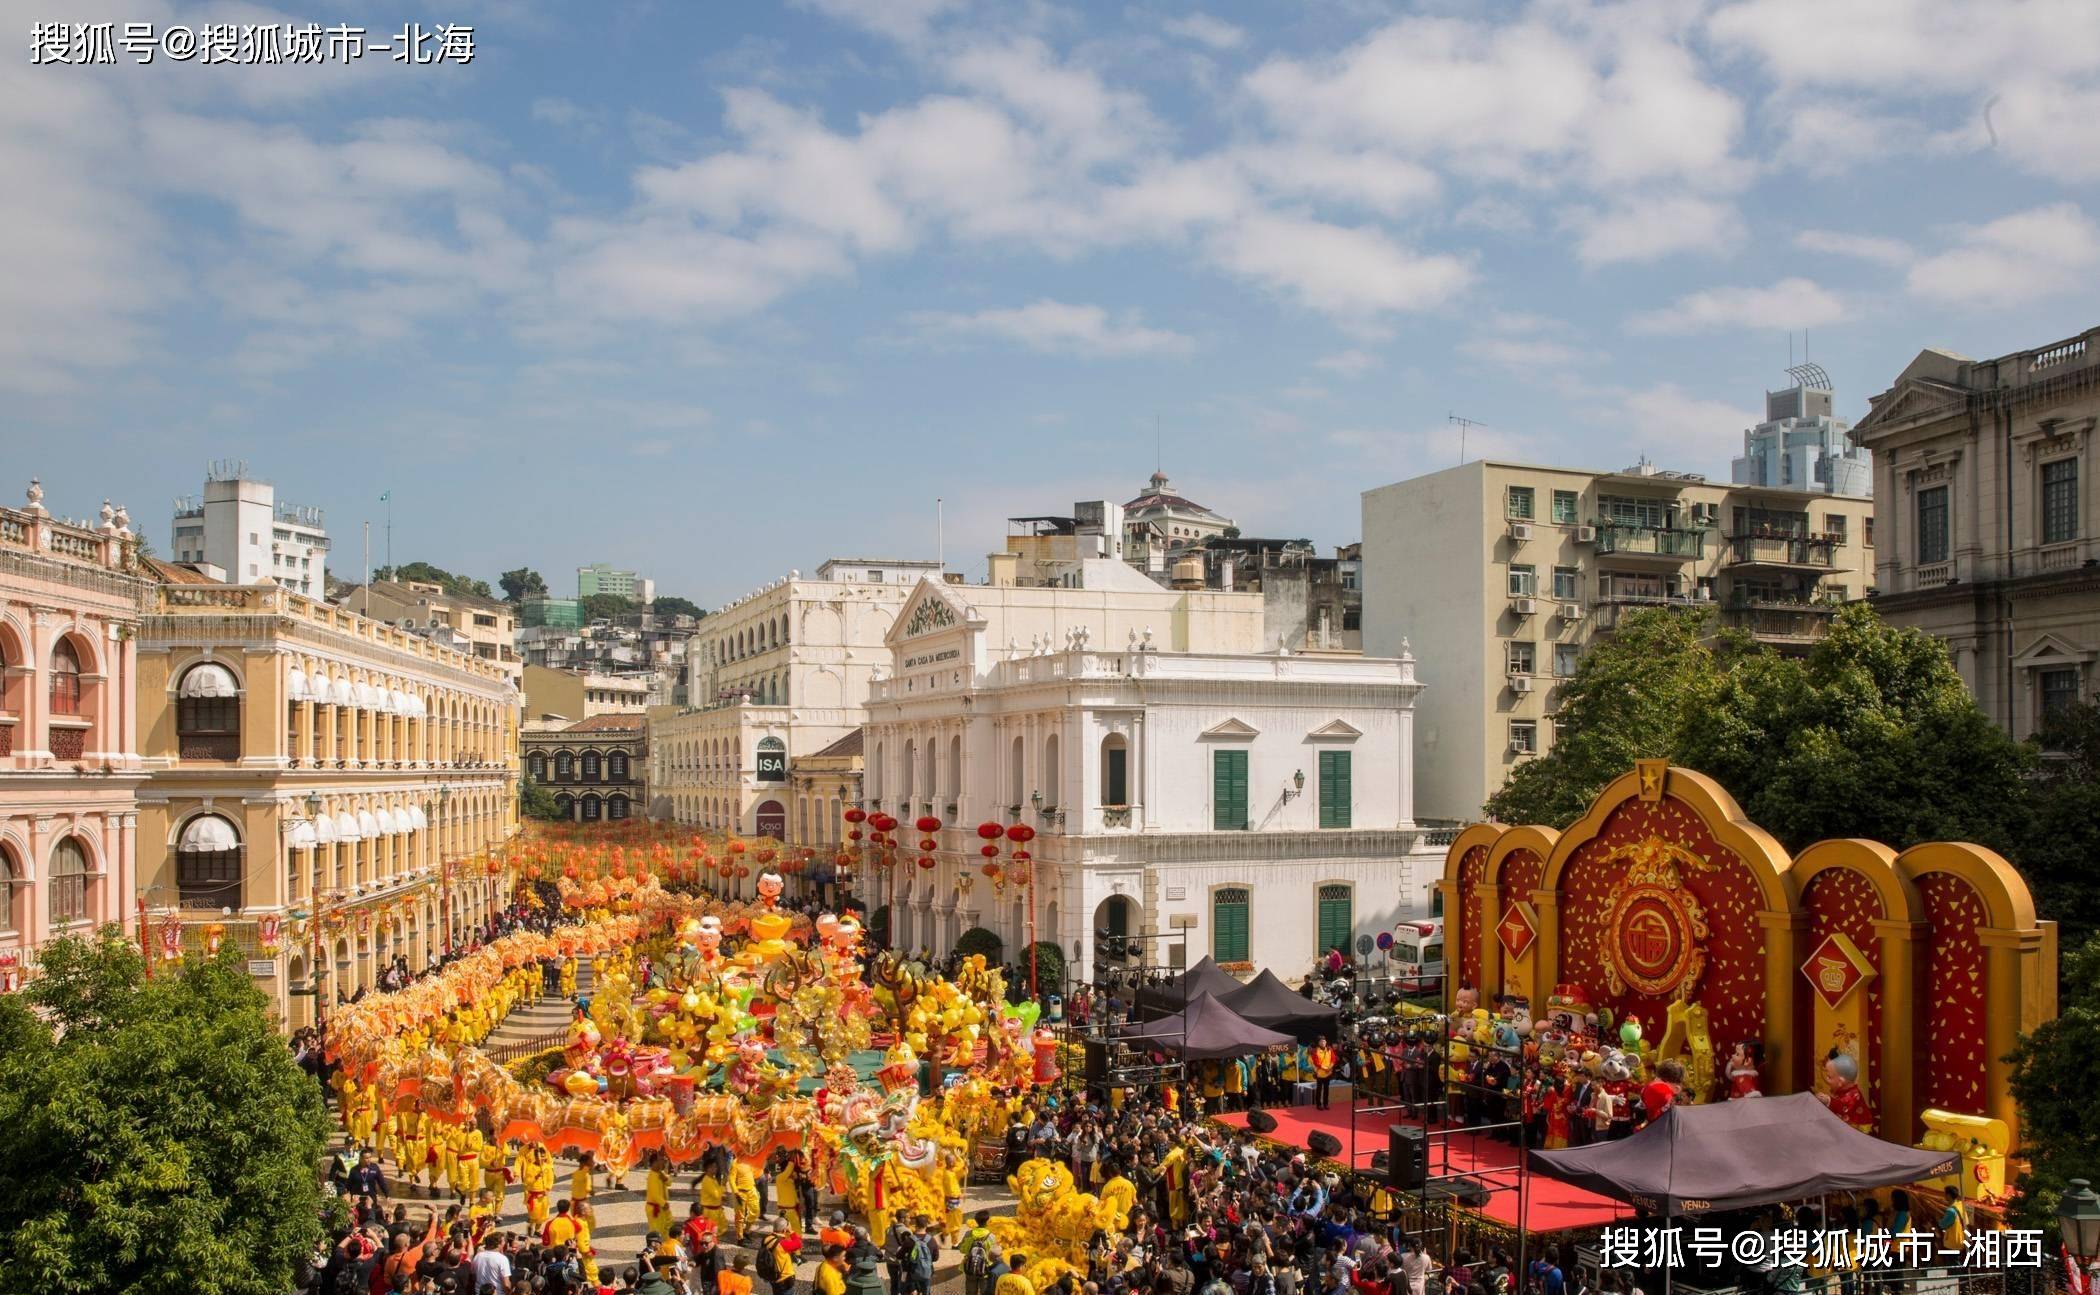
(628, 290)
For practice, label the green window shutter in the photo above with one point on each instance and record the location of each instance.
(1228, 926)
(1229, 791)
(1335, 796)
(1337, 920)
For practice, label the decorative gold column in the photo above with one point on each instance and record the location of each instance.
(1546, 955)
(1783, 932)
(1899, 1017)
(1490, 946)
(2004, 953)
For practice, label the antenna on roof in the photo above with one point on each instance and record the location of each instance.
(1464, 424)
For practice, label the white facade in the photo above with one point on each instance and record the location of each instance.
(780, 673)
(876, 571)
(1168, 767)
(238, 526)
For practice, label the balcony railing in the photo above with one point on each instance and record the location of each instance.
(1782, 550)
(210, 746)
(1649, 541)
(1115, 816)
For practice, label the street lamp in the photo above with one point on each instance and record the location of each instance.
(444, 872)
(2078, 1219)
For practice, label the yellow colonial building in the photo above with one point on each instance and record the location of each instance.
(324, 790)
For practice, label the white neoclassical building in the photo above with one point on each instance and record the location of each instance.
(1257, 807)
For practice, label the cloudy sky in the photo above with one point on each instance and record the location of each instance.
(722, 289)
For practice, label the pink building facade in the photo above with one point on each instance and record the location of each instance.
(70, 771)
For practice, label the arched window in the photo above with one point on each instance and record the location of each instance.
(537, 767)
(593, 808)
(68, 887)
(564, 766)
(955, 766)
(873, 774)
(590, 766)
(208, 714)
(1052, 774)
(1016, 775)
(11, 881)
(1115, 770)
(65, 679)
(616, 766)
(911, 765)
(616, 807)
(208, 864)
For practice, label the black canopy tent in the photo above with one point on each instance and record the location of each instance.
(1267, 1001)
(1206, 977)
(1207, 1031)
(1737, 1154)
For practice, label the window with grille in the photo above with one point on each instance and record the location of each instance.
(68, 886)
(208, 728)
(616, 767)
(1523, 580)
(538, 768)
(616, 807)
(1523, 736)
(1565, 655)
(1932, 524)
(1337, 918)
(1567, 583)
(1521, 657)
(1520, 503)
(209, 878)
(1229, 791)
(1623, 511)
(2059, 501)
(1567, 507)
(590, 766)
(564, 766)
(2059, 689)
(1228, 925)
(1336, 794)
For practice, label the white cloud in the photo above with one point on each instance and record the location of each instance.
(1076, 112)
(1526, 101)
(568, 115)
(1680, 430)
(1648, 229)
(901, 20)
(1057, 327)
(1523, 353)
(1349, 364)
(2013, 260)
(1372, 180)
(1862, 247)
(1203, 29)
(1789, 303)
(1493, 214)
(1351, 272)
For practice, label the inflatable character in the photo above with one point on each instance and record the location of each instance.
(1743, 1066)
(1844, 1098)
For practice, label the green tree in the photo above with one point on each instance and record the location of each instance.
(2062, 835)
(425, 573)
(154, 1134)
(669, 606)
(520, 582)
(604, 606)
(979, 939)
(538, 802)
(2055, 1072)
(1871, 734)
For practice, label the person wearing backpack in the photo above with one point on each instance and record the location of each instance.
(776, 1260)
(977, 1255)
(918, 1270)
(897, 1247)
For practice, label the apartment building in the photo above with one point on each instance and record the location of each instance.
(69, 764)
(1503, 573)
(237, 527)
(1990, 523)
(485, 627)
(324, 790)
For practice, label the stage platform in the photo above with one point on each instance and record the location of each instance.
(1549, 1204)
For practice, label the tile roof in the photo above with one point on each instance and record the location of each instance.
(602, 723)
(848, 745)
(170, 573)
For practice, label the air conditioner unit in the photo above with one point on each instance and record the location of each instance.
(1571, 611)
(1520, 531)
(1523, 606)
(1520, 683)
(1585, 535)
(1520, 746)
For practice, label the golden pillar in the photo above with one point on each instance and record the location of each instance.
(1490, 946)
(1545, 958)
(2004, 953)
(1783, 932)
(1899, 1018)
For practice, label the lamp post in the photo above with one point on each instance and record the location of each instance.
(314, 975)
(2078, 1220)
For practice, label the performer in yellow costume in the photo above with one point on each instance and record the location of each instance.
(1119, 1193)
(952, 1198)
(583, 1182)
(744, 1184)
(710, 1190)
(536, 1173)
(1176, 1165)
(656, 1196)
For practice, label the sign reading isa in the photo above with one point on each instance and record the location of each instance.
(772, 761)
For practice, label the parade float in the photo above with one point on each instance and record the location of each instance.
(709, 1021)
(1663, 926)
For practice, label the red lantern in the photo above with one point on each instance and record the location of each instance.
(737, 847)
(1018, 874)
(569, 870)
(853, 835)
(883, 823)
(926, 861)
(1020, 834)
(856, 815)
(1022, 856)
(990, 831)
(988, 851)
(928, 824)
(928, 845)
(992, 870)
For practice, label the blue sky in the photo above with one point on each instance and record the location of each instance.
(717, 290)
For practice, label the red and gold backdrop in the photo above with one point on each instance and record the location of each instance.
(1927, 963)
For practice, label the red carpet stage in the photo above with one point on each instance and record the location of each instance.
(1549, 1204)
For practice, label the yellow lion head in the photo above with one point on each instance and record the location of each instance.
(1039, 1184)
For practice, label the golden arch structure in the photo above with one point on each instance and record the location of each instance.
(1926, 965)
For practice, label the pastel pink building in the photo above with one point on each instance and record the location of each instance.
(69, 764)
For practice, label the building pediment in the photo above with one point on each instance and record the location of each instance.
(1335, 730)
(2051, 650)
(931, 609)
(1909, 400)
(1232, 730)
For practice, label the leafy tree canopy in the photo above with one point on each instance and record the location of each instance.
(426, 573)
(155, 1135)
(1871, 734)
(2055, 1071)
(539, 802)
(665, 605)
(520, 582)
(605, 606)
